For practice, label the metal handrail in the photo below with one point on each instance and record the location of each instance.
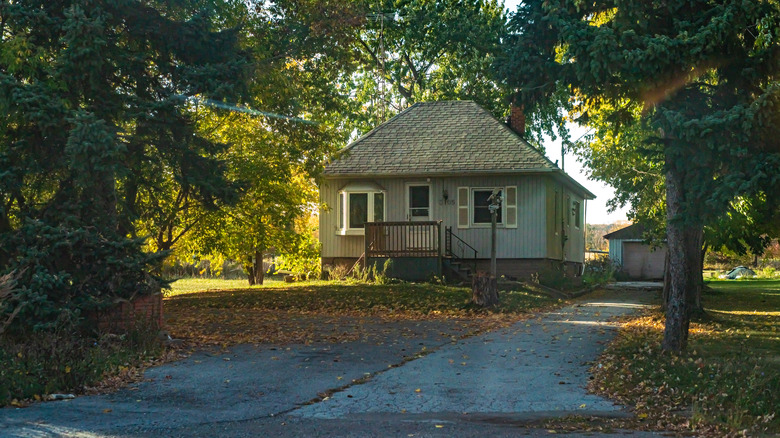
(448, 235)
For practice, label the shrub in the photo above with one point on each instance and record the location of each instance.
(553, 277)
(380, 277)
(337, 272)
(63, 359)
(371, 274)
(767, 272)
(302, 257)
(599, 271)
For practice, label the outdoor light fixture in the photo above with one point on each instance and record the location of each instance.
(445, 195)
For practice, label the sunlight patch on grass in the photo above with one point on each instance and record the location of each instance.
(747, 312)
(728, 379)
(191, 285)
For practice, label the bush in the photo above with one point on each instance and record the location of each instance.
(599, 271)
(301, 257)
(768, 272)
(337, 272)
(62, 359)
(553, 278)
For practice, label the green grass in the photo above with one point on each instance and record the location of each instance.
(189, 285)
(343, 297)
(730, 376)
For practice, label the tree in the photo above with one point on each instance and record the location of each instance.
(274, 162)
(701, 80)
(94, 126)
(277, 143)
(410, 51)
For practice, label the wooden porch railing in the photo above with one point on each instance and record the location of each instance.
(403, 239)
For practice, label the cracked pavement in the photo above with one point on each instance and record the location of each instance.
(428, 382)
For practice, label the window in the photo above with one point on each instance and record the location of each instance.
(577, 214)
(419, 201)
(481, 210)
(473, 207)
(358, 207)
(568, 216)
(358, 210)
(379, 207)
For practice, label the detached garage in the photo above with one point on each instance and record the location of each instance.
(640, 261)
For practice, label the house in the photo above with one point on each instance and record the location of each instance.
(639, 259)
(415, 189)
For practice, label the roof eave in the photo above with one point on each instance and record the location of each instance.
(540, 171)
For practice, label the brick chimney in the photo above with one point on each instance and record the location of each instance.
(517, 119)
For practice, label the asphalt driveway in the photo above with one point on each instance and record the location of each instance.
(426, 382)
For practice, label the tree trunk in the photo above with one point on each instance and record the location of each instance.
(694, 235)
(484, 290)
(259, 271)
(677, 315)
(667, 282)
(249, 267)
(254, 268)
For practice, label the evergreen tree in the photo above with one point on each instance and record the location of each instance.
(96, 123)
(702, 79)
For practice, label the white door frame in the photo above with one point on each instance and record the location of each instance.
(407, 202)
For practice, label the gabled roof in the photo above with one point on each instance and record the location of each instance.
(631, 232)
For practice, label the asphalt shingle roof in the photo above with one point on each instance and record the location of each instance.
(633, 231)
(439, 138)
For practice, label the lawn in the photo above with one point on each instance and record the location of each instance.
(325, 311)
(726, 383)
(189, 285)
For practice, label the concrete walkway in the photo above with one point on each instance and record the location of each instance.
(424, 384)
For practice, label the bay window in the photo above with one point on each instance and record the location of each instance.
(358, 204)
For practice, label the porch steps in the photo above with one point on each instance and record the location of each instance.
(459, 268)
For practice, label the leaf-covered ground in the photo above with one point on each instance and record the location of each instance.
(727, 383)
(308, 312)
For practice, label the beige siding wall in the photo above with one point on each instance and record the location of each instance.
(528, 240)
(561, 222)
(642, 261)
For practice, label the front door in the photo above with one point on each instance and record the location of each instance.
(418, 209)
(418, 202)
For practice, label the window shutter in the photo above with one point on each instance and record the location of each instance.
(341, 210)
(510, 203)
(463, 207)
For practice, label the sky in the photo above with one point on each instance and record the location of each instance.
(597, 212)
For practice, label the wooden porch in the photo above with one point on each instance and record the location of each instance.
(403, 239)
(419, 246)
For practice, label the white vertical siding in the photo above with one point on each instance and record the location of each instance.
(528, 240)
(616, 250)
(575, 246)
